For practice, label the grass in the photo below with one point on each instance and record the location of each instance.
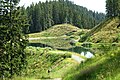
(59, 36)
(60, 30)
(94, 30)
(99, 48)
(104, 67)
(44, 63)
(57, 30)
(59, 43)
(60, 70)
(23, 78)
(42, 60)
(107, 31)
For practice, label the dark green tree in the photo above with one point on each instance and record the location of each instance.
(46, 14)
(13, 38)
(112, 8)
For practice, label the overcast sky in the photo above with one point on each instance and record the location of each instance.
(95, 5)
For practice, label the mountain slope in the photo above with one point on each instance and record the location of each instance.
(107, 31)
(43, 15)
(57, 30)
(105, 67)
(47, 63)
(58, 36)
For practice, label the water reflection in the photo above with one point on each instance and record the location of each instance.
(81, 50)
(87, 54)
(38, 45)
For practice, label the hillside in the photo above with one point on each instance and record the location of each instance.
(46, 63)
(104, 67)
(59, 40)
(43, 15)
(107, 31)
(58, 36)
(58, 30)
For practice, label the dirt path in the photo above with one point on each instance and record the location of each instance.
(77, 58)
(43, 38)
(51, 79)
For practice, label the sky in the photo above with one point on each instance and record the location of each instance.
(94, 5)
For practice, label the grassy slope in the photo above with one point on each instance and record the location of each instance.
(40, 60)
(64, 34)
(59, 43)
(107, 31)
(105, 67)
(57, 30)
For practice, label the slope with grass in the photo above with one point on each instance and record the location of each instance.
(58, 43)
(46, 63)
(57, 30)
(107, 31)
(59, 36)
(104, 67)
(105, 64)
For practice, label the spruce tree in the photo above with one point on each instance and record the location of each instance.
(13, 39)
(112, 8)
(46, 14)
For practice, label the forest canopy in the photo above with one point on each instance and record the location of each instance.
(43, 15)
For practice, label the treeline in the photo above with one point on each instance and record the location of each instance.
(13, 39)
(45, 14)
(113, 8)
